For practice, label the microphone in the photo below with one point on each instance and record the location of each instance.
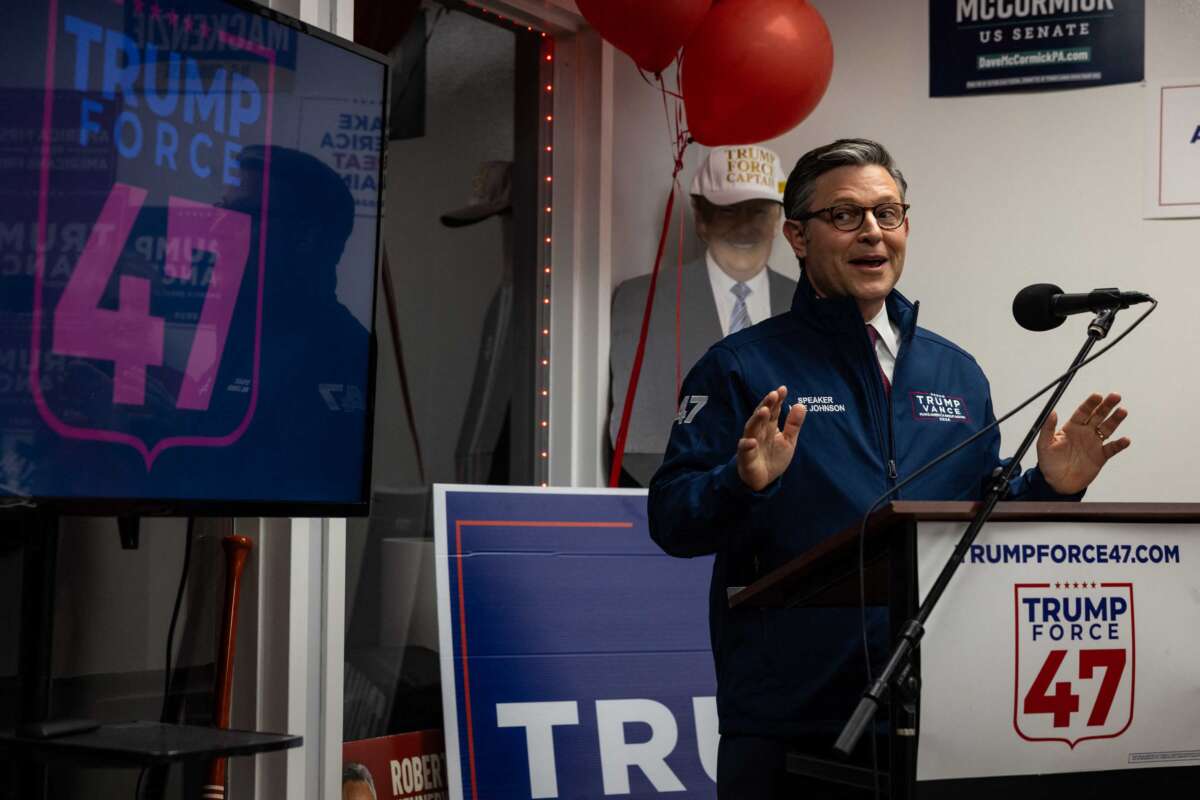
(1044, 306)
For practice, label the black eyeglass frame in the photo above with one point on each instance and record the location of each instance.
(862, 210)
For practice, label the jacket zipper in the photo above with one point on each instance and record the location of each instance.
(893, 471)
(888, 438)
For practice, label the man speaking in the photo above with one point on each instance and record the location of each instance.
(874, 397)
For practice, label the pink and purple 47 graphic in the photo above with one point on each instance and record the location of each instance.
(171, 121)
(174, 323)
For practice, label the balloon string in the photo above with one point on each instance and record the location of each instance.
(681, 141)
(614, 476)
(681, 131)
(675, 130)
(679, 303)
(658, 78)
(672, 131)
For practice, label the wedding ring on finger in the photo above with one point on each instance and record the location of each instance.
(1101, 435)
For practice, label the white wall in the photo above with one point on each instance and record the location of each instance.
(1006, 190)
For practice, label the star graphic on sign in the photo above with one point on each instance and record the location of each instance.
(173, 17)
(155, 10)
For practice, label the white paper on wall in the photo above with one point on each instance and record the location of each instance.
(1172, 177)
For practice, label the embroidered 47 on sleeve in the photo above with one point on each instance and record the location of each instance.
(689, 407)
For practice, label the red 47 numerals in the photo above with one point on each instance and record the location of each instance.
(1063, 702)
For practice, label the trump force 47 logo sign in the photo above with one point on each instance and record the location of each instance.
(144, 308)
(1075, 656)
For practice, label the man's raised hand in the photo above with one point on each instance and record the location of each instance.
(1071, 458)
(764, 451)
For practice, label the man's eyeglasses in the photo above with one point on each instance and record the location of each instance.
(847, 217)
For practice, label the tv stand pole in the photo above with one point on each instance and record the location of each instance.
(39, 533)
(39, 538)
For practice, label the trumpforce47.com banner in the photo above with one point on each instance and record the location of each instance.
(575, 653)
(1063, 647)
(979, 46)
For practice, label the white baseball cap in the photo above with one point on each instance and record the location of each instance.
(739, 172)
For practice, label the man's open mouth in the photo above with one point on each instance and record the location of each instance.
(870, 262)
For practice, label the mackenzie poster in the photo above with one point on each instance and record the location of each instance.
(980, 46)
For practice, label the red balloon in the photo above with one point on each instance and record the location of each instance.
(650, 32)
(754, 69)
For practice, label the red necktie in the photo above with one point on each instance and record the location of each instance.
(873, 335)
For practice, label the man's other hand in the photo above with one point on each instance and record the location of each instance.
(1071, 458)
(764, 451)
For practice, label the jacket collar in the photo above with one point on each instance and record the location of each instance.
(841, 314)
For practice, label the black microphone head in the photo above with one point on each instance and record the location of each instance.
(1033, 309)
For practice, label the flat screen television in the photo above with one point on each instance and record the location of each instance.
(190, 205)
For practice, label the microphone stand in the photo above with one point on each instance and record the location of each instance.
(914, 629)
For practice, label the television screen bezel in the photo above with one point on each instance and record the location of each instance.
(199, 507)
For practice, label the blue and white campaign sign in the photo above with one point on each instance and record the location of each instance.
(575, 654)
(980, 46)
(1061, 647)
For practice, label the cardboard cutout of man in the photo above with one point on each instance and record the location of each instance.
(737, 197)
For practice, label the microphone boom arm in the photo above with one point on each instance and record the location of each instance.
(914, 629)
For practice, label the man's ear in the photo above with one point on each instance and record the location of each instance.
(794, 233)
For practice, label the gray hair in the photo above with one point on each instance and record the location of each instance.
(801, 183)
(358, 773)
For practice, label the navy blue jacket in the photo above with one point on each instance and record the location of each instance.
(799, 671)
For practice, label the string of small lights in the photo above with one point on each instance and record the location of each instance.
(541, 432)
(546, 194)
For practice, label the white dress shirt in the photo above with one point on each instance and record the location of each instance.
(758, 302)
(888, 343)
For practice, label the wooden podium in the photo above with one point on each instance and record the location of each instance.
(828, 576)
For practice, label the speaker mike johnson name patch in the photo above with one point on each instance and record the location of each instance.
(939, 407)
(821, 404)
